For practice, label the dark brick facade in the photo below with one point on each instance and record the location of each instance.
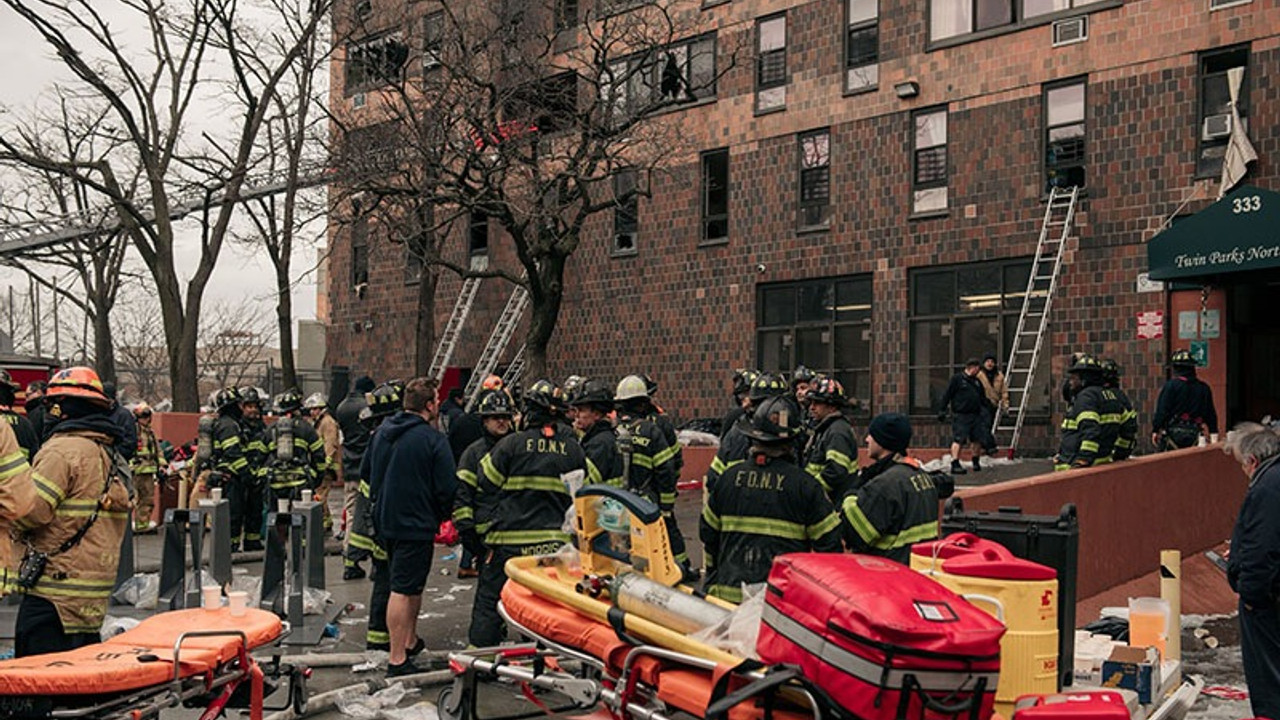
(686, 313)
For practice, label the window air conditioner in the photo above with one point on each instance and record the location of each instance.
(357, 100)
(1217, 126)
(1070, 30)
(624, 242)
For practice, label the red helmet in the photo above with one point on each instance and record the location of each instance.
(81, 382)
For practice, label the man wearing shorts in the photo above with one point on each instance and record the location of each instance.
(964, 396)
(412, 478)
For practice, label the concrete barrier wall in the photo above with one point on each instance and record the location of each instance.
(1185, 500)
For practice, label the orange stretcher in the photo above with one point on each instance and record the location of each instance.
(184, 657)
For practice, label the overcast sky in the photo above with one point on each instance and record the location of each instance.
(31, 73)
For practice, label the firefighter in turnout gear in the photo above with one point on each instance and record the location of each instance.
(742, 382)
(592, 404)
(896, 503)
(77, 521)
(522, 482)
(832, 453)
(355, 439)
(23, 429)
(327, 428)
(229, 467)
(295, 452)
(17, 494)
(735, 445)
(1128, 434)
(1184, 410)
(1092, 422)
(385, 400)
(651, 469)
(255, 451)
(147, 464)
(496, 412)
(764, 506)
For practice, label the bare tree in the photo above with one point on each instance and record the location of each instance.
(154, 98)
(511, 111)
(140, 350)
(233, 347)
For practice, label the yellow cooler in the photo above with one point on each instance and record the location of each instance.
(1020, 593)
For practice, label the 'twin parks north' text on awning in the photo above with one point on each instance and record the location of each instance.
(1240, 232)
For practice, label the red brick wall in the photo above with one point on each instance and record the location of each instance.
(686, 314)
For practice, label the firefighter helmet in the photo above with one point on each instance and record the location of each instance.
(226, 397)
(802, 374)
(631, 387)
(494, 403)
(595, 393)
(493, 382)
(7, 379)
(571, 386)
(742, 379)
(250, 396)
(314, 401)
(1085, 363)
(650, 385)
(142, 410)
(386, 399)
(776, 420)
(1182, 358)
(543, 395)
(1110, 370)
(766, 385)
(79, 381)
(828, 391)
(289, 401)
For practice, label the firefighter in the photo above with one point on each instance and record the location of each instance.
(147, 465)
(1092, 422)
(802, 380)
(327, 428)
(1184, 410)
(496, 413)
(526, 500)
(355, 438)
(742, 381)
(228, 467)
(591, 407)
(295, 452)
(764, 506)
(17, 495)
(255, 452)
(22, 427)
(664, 423)
(649, 458)
(1128, 434)
(385, 401)
(896, 503)
(735, 445)
(831, 455)
(571, 386)
(77, 521)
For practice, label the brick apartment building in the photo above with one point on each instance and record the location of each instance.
(866, 199)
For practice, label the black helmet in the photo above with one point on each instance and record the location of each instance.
(742, 379)
(776, 420)
(766, 385)
(1182, 358)
(596, 393)
(1085, 363)
(7, 380)
(1110, 371)
(494, 403)
(828, 391)
(289, 401)
(386, 399)
(802, 374)
(650, 385)
(249, 396)
(543, 395)
(225, 398)
(571, 385)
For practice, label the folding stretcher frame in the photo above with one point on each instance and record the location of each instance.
(188, 658)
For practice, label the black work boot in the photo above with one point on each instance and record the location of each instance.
(977, 466)
(957, 468)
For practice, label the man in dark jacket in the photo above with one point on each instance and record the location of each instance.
(412, 482)
(764, 506)
(592, 403)
(896, 504)
(451, 409)
(124, 418)
(496, 412)
(1128, 434)
(35, 406)
(742, 381)
(734, 443)
(23, 429)
(964, 396)
(1253, 568)
(355, 438)
(832, 453)
(651, 465)
(1091, 424)
(524, 482)
(1184, 410)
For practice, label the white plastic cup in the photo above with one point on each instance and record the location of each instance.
(282, 505)
(212, 596)
(1213, 438)
(238, 601)
(306, 496)
(215, 494)
(1201, 442)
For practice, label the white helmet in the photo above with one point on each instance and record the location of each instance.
(314, 401)
(631, 387)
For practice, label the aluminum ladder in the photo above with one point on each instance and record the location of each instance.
(515, 369)
(498, 339)
(452, 329)
(1033, 321)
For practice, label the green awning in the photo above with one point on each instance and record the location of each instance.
(1239, 232)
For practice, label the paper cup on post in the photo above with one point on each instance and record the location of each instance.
(212, 597)
(238, 601)
(282, 505)
(215, 494)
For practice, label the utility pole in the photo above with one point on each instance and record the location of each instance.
(35, 313)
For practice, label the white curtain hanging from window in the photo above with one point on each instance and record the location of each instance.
(1240, 152)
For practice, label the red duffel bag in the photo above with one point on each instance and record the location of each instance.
(883, 641)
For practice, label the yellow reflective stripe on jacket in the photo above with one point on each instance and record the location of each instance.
(74, 587)
(467, 477)
(910, 536)
(524, 537)
(666, 455)
(1089, 446)
(642, 460)
(225, 443)
(726, 592)
(842, 460)
(490, 472)
(593, 473)
(48, 490)
(829, 523)
(1088, 415)
(536, 482)
(666, 498)
(463, 512)
(13, 464)
(859, 522)
(711, 517)
(815, 469)
(363, 488)
(718, 465)
(771, 527)
(1123, 443)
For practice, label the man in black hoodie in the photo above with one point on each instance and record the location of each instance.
(964, 396)
(412, 482)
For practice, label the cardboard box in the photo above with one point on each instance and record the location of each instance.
(1136, 669)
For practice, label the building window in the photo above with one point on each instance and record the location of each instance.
(815, 179)
(824, 325)
(416, 245)
(1064, 146)
(965, 312)
(547, 105)
(478, 233)
(771, 63)
(682, 72)
(1214, 121)
(374, 63)
(359, 252)
(432, 40)
(715, 195)
(566, 14)
(951, 18)
(862, 46)
(929, 161)
(626, 212)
